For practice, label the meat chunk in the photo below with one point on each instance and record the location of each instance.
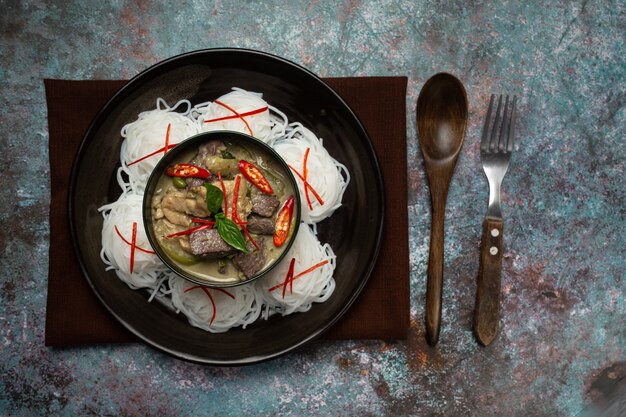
(250, 263)
(209, 244)
(260, 225)
(263, 204)
(208, 149)
(195, 182)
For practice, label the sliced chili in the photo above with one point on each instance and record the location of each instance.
(245, 230)
(219, 176)
(235, 197)
(255, 176)
(206, 291)
(190, 231)
(307, 184)
(164, 149)
(305, 174)
(237, 115)
(128, 243)
(235, 216)
(311, 269)
(167, 138)
(188, 171)
(289, 276)
(283, 222)
(133, 245)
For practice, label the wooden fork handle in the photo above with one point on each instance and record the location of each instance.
(487, 311)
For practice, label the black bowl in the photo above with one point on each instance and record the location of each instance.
(187, 146)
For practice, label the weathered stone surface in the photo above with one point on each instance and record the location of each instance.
(561, 344)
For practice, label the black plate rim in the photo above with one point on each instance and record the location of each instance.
(88, 137)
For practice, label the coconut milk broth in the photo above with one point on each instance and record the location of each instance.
(209, 269)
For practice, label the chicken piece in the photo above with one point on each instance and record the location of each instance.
(196, 202)
(174, 206)
(244, 205)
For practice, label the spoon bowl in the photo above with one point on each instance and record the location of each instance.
(441, 119)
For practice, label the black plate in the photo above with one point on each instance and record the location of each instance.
(354, 231)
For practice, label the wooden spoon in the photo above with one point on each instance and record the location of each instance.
(441, 119)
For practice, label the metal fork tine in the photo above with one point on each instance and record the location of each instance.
(511, 132)
(496, 124)
(505, 125)
(484, 142)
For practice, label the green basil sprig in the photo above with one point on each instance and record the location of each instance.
(227, 155)
(230, 232)
(214, 197)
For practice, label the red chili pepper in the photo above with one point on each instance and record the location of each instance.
(283, 222)
(235, 216)
(164, 149)
(289, 277)
(190, 231)
(236, 114)
(206, 291)
(305, 173)
(187, 171)
(255, 176)
(235, 197)
(129, 244)
(308, 185)
(314, 267)
(133, 244)
(219, 176)
(245, 230)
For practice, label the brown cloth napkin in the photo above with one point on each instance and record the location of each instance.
(75, 316)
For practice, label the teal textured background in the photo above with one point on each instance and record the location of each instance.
(561, 346)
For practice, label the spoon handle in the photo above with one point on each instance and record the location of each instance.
(434, 283)
(487, 311)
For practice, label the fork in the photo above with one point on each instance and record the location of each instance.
(496, 147)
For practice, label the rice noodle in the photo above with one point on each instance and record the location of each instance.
(229, 312)
(147, 134)
(314, 287)
(328, 177)
(115, 252)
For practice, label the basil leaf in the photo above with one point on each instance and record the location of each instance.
(230, 232)
(227, 155)
(214, 198)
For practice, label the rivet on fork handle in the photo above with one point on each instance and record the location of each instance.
(487, 313)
